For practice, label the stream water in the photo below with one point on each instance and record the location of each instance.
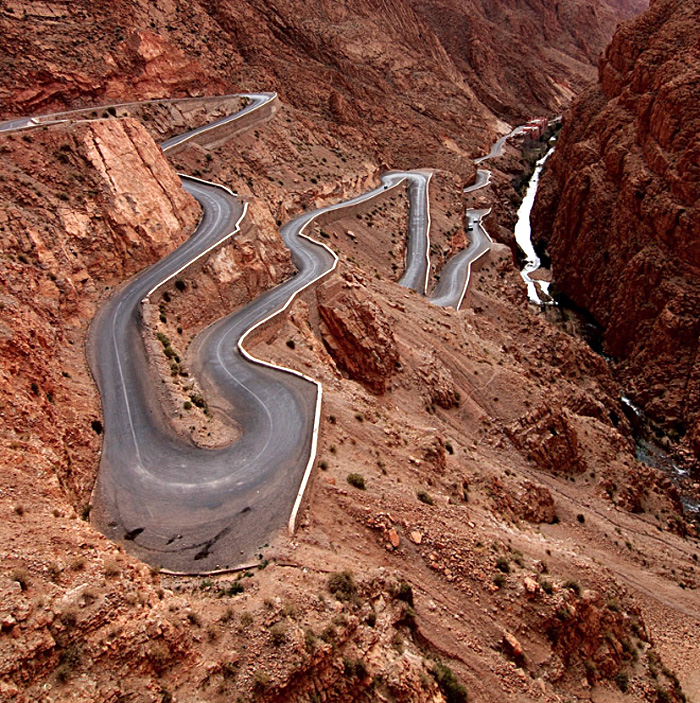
(649, 450)
(523, 235)
(651, 453)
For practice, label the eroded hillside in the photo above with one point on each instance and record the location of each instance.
(398, 76)
(477, 520)
(618, 211)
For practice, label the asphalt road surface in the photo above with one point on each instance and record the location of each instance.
(256, 101)
(187, 508)
(456, 272)
(181, 506)
(418, 240)
(497, 148)
(78, 115)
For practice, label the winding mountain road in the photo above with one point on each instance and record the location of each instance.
(418, 240)
(180, 504)
(188, 508)
(456, 272)
(455, 276)
(256, 101)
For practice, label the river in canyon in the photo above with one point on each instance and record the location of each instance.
(523, 237)
(650, 449)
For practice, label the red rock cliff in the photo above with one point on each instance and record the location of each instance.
(416, 82)
(83, 208)
(618, 208)
(526, 57)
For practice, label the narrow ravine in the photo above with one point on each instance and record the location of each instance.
(523, 237)
(650, 452)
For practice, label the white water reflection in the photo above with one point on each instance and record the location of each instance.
(523, 234)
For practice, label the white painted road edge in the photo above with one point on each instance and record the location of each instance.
(248, 356)
(278, 367)
(471, 263)
(427, 233)
(38, 120)
(319, 388)
(471, 189)
(236, 230)
(234, 117)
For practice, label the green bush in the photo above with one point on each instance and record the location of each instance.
(502, 564)
(405, 593)
(623, 681)
(354, 669)
(357, 480)
(278, 634)
(547, 586)
(235, 588)
(198, 401)
(573, 586)
(425, 497)
(342, 585)
(310, 640)
(451, 688)
(408, 617)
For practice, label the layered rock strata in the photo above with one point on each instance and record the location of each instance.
(618, 210)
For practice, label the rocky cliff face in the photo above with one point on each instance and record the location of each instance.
(357, 336)
(415, 81)
(618, 209)
(523, 57)
(84, 208)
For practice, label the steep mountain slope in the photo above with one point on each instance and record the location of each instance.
(401, 76)
(524, 56)
(618, 209)
(498, 471)
(476, 518)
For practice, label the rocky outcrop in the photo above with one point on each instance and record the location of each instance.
(618, 210)
(593, 635)
(107, 64)
(357, 336)
(438, 381)
(83, 208)
(536, 504)
(548, 438)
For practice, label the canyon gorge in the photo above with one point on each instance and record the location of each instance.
(477, 523)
